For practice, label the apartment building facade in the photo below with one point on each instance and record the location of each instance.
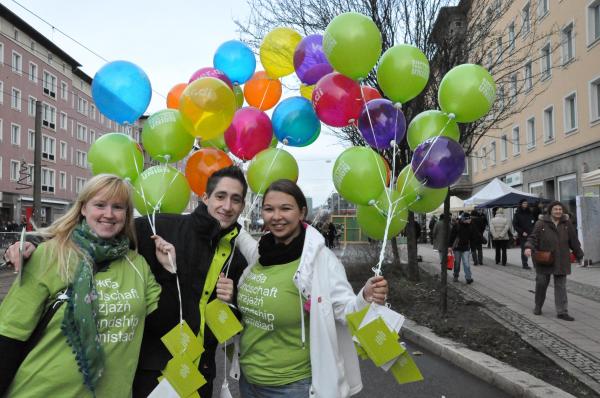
(549, 146)
(33, 68)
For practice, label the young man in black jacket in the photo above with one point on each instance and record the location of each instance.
(523, 221)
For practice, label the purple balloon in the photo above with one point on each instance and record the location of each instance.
(438, 162)
(388, 123)
(211, 72)
(310, 62)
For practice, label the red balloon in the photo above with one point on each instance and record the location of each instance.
(249, 133)
(337, 100)
(370, 93)
(202, 164)
(211, 72)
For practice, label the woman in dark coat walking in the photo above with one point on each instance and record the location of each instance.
(555, 233)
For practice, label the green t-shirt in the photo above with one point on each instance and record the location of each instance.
(126, 294)
(271, 352)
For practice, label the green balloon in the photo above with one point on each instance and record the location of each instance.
(403, 72)
(274, 142)
(430, 124)
(352, 44)
(270, 165)
(468, 91)
(359, 175)
(161, 188)
(116, 153)
(218, 143)
(239, 96)
(373, 219)
(418, 197)
(165, 138)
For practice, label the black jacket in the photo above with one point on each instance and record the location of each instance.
(523, 221)
(462, 236)
(195, 237)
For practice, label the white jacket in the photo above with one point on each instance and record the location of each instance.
(321, 276)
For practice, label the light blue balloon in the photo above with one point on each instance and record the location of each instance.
(236, 60)
(295, 122)
(121, 91)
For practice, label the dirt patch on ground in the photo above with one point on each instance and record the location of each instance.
(467, 323)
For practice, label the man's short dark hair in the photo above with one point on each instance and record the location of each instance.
(233, 172)
(522, 200)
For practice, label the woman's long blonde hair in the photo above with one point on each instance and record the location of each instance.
(59, 233)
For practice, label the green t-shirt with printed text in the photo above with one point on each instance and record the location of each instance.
(271, 351)
(126, 295)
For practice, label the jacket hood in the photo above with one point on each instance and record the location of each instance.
(546, 217)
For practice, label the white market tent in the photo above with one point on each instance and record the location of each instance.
(494, 190)
(456, 205)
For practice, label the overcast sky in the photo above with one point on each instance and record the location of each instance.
(169, 41)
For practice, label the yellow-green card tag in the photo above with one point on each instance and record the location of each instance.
(183, 376)
(405, 369)
(182, 340)
(362, 354)
(221, 320)
(379, 342)
(355, 319)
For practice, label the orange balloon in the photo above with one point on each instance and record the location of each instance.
(202, 164)
(174, 95)
(261, 92)
(369, 93)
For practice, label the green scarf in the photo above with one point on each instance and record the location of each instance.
(79, 322)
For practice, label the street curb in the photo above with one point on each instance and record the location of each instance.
(513, 381)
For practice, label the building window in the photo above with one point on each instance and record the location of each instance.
(92, 112)
(526, 17)
(483, 158)
(570, 113)
(1, 131)
(49, 116)
(31, 107)
(63, 150)
(546, 62)
(549, 124)
(63, 120)
(80, 159)
(0, 167)
(14, 170)
(474, 161)
(17, 63)
(63, 181)
(542, 8)
(1, 92)
(516, 141)
(47, 180)
(594, 21)
(1, 53)
(79, 183)
(92, 136)
(48, 147)
(499, 48)
(15, 134)
(64, 91)
(531, 133)
(511, 37)
(568, 45)
(536, 188)
(33, 72)
(15, 99)
(595, 100)
(503, 147)
(30, 139)
(82, 106)
(493, 153)
(501, 98)
(81, 132)
(567, 190)
(513, 87)
(49, 83)
(528, 76)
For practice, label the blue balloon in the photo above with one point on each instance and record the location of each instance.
(295, 122)
(236, 60)
(121, 91)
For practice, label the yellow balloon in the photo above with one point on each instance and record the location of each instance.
(207, 106)
(306, 91)
(277, 51)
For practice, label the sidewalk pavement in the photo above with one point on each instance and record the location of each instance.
(508, 295)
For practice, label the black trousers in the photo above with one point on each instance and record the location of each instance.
(524, 258)
(500, 251)
(477, 253)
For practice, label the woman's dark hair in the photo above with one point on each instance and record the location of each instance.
(290, 188)
(555, 203)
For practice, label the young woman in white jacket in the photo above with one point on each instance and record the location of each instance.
(294, 298)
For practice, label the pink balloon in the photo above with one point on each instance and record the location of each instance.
(337, 100)
(211, 72)
(249, 133)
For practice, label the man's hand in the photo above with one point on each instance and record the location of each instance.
(225, 289)
(527, 252)
(11, 256)
(524, 234)
(164, 250)
(376, 290)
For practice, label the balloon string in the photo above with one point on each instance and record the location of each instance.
(265, 94)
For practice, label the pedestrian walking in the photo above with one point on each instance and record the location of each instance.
(499, 227)
(439, 244)
(551, 242)
(523, 221)
(479, 223)
(461, 237)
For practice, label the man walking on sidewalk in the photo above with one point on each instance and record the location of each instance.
(523, 222)
(461, 237)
